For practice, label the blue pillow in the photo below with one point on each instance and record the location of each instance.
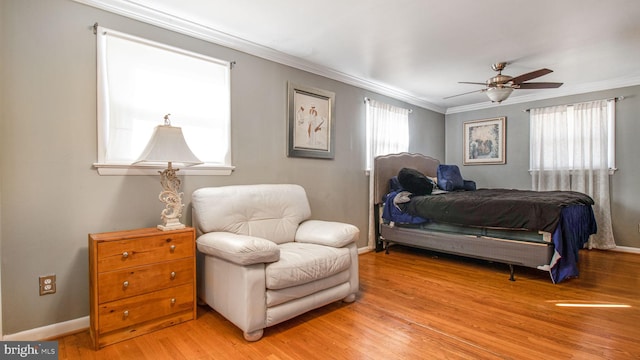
(469, 185)
(449, 177)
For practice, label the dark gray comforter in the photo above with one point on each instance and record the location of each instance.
(506, 208)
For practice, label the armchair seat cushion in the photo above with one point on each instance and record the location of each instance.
(301, 263)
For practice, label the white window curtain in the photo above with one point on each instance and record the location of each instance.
(387, 133)
(139, 81)
(387, 130)
(570, 150)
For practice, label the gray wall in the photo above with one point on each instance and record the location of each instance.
(51, 197)
(625, 192)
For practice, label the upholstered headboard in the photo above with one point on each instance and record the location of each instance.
(387, 166)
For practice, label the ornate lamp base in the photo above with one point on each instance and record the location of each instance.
(172, 199)
(173, 224)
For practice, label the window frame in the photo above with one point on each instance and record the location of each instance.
(105, 167)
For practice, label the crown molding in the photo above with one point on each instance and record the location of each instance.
(552, 93)
(195, 30)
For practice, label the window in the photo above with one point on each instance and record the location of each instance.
(572, 137)
(139, 82)
(387, 130)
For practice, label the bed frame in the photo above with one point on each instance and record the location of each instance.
(507, 251)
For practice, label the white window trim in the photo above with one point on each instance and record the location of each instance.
(124, 168)
(128, 169)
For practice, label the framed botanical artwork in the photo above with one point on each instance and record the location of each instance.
(484, 141)
(310, 122)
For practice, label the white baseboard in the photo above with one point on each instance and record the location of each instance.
(50, 331)
(627, 249)
(363, 250)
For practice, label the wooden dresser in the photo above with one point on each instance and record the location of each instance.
(140, 281)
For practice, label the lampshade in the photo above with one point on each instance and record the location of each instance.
(167, 144)
(498, 94)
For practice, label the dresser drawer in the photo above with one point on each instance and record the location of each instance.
(115, 255)
(136, 310)
(120, 284)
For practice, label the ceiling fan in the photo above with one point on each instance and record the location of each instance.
(499, 87)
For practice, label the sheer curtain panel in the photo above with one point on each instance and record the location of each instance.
(387, 133)
(570, 150)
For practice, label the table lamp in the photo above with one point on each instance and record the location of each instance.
(167, 145)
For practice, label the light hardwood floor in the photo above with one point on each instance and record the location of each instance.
(415, 304)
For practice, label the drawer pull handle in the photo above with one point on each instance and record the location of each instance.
(173, 301)
(125, 254)
(172, 248)
(125, 284)
(173, 275)
(125, 314)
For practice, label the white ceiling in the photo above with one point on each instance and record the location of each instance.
(418, 50)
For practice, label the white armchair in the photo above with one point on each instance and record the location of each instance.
(262, 261)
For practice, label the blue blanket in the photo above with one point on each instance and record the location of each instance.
(393, 213)
(576, 224)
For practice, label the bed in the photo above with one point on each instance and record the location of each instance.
(544, 233)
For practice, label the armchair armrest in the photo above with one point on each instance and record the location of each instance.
(238, 249)
(328, 233)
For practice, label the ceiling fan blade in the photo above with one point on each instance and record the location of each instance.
(531, 75)
(473, 83)
(539, 85)
(467, 93)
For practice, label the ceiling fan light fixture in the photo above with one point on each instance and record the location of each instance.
(498, 94)
(500, 86)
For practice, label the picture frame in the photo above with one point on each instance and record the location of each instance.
(484, 141)
(311, 131)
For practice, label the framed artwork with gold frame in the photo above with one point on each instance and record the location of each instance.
(484, 141)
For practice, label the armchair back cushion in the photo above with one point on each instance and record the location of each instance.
(269, 211)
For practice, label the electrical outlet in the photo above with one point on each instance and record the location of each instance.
(47, 284)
